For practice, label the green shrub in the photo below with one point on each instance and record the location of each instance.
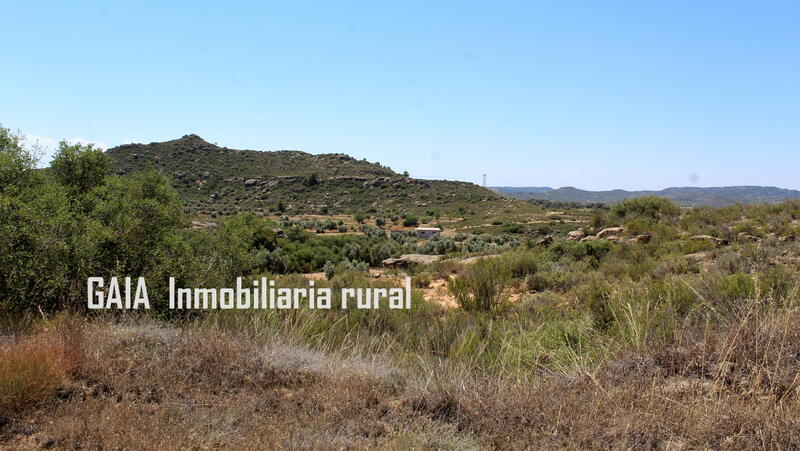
(651, 207)
(331, 269)
(80, 167)
(521, 264)
(17, 164)
(410, 221)
(480, 286)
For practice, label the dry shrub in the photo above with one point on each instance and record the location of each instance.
(420, 281)
(445, 269)
(732, 388)
(33, 366)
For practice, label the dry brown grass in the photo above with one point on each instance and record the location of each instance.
(732, 389)
(144, 385)
(33, 366)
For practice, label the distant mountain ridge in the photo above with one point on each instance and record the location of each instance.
(223, 181)
(685, 196)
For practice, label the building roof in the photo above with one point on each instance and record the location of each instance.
(429, 229)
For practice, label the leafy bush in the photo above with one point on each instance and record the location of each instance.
(592, 251)
(410, 221)
(16, 163)
(651, 207)
(80, 167)
(521, 264)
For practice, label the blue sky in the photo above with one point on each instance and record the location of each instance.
(593, 94)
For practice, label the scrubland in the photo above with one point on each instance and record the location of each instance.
(677, 330)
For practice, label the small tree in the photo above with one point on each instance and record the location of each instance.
(16, 163)
(80, 167)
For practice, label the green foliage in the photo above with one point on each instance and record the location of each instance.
(53, 238)
(137, 214)
(42, 244)
(592, 251)
(410, 221)
(651, 207)
(521, 264)
(332, 269)
(16, 163)
(80, 167)
(480, 286)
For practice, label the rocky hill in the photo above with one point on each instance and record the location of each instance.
(214, 179)
(685, 196)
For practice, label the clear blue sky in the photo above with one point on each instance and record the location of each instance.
(593, 94)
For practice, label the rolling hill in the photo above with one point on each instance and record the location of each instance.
(685, 196)
(214, 179)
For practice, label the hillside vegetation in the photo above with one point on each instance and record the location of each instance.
(213, 179)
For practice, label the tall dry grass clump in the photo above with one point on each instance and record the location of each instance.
(33, 366)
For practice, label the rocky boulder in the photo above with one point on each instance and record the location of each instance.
(546, 241)
(576, 235)
(609, 232)
(744, 236)
(204, 225)
(472, 260)
(704, 259)
(406, 260)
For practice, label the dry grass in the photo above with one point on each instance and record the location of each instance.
(147, 386)
(732, 389)
(33, 366)
(144, 385)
